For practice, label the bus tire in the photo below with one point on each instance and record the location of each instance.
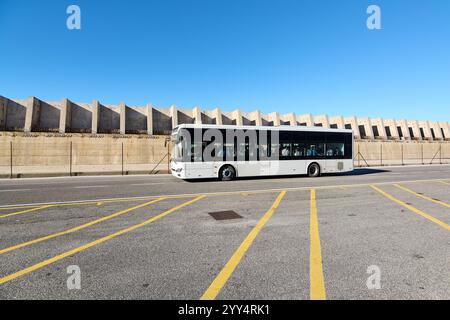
(227, 173)
(313, 170)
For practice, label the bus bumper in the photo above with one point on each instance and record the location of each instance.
(178, 170)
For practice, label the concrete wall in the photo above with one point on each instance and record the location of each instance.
(65, 116)
(378, 153)
(50, 153)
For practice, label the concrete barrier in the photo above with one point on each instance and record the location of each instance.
(35, 154)
(44, 154)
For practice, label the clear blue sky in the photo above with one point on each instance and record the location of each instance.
(288, 56)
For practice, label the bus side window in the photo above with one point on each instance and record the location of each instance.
(335, 150)
(298, 150)
(315, 150)
(285, 151)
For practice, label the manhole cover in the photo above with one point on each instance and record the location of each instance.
(224, 215)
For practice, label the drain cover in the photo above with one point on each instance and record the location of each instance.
(225, 215)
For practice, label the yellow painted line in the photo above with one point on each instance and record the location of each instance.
(24, 211)
(442, 203)
(317, 283)
(211, 194)
(92, 244)
(417, 211)
(222, 278)
(81, 227)
(443, 182)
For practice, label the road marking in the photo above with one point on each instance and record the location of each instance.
(88, 187)
(15, 190)
(147, 184)
(442, 203)
(421, 213)
(443, 182)
(190, 195)
(92, 244)
(222, 278)
(81, 227)
(24, 211)
(317, 283)
(85, 202)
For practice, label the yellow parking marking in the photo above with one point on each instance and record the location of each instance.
(222, 278)
(24, 211)
(442, 203)
(93, 243)
(317, 283)
(417, 211)
(211, 194)
(81, 227)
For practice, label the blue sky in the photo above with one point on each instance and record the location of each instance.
(288, 56)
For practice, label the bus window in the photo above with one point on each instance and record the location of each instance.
(285, 150)
(229, 152)
(335, 149)
(316, 150)
(196, 152)
(298, 150)
(274, 150)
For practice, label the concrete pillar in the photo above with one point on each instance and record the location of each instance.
(3, 110)
(354, 124)
(123, 118)
(256, 116)
(323, 119)
(446, 127)
(379, 123)
(403, 124)
(292, 119)
(65, 115)
(426, 130)
(95, 107)
(367, 127)
(197, 115)
(275, 118)
(237, 116)
(218, 116)
(436, 128)
(174, 116)
(414, 124)
(149, 119)
(308, 119)
(338, 120)
(32, 116)
(392, 127)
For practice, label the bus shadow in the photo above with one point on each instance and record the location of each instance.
(355, 172)
(359, 172)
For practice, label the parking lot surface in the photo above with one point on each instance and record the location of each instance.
(377, 233)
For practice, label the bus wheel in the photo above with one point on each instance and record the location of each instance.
(227, 173)
(314, 170)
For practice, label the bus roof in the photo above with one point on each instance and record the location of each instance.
(278, 128)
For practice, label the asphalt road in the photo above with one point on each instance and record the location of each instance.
(152, 237)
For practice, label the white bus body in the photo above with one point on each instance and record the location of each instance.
(300, 162)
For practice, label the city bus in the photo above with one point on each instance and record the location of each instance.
(227, 152)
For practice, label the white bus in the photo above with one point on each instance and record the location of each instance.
(228, 151)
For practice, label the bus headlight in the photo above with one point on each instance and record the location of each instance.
(179, 170)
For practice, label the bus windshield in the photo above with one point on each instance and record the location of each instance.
(177, 150)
